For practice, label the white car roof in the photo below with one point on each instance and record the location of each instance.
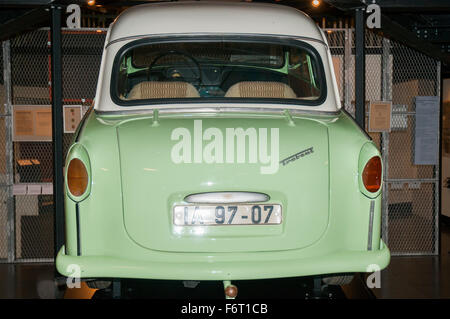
(212, 17)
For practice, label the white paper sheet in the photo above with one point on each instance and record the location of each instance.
(426, 148)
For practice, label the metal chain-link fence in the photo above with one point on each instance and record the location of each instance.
(32, 159)
(412, 194)
(398, 74)
(393, 73)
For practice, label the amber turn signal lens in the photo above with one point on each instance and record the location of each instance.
(371, 175)
(77, 177)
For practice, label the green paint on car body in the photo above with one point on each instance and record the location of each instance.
(126, 227)
(154, 137)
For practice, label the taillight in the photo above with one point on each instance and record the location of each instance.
(371, 175)
(77, 177)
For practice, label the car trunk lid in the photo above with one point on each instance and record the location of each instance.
(163, 163)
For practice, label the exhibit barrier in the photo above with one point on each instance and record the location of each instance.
(393, 73)
(27, 223)
(398, 74)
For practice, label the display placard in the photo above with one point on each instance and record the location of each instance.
(32, 123)
(72, 117)
(380, 116)
(43, 123)
(426, 138)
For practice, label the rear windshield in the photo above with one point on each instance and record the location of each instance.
(206, 70)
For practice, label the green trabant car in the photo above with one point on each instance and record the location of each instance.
(217, 149)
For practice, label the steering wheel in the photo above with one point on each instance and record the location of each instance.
(186, 57)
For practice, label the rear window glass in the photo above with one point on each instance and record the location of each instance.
(217, 69)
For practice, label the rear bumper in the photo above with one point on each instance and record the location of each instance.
(250, 266)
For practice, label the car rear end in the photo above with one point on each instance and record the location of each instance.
(221, 157)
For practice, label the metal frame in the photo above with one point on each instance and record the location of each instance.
(397, 31)
(360, 68)
(9, 156)
(29, 20)
(33, 260)
(386, 87)
(57, 127)
(437, 168)
(347, 56)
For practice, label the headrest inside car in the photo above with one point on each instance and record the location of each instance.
(261, 89)
(162, 90)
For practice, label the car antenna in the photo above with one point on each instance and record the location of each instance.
(289, 117)
(155, 118)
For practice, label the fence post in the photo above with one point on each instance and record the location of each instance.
(386, 87)
(9, 155)
(360, 68)
(437, 167)
(347, 55)
(57, 125)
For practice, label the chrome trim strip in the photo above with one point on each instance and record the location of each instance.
(278, 111)
(77, 224)
(372, 210)
(226, 198)
(161, 35)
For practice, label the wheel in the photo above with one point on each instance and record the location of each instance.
(338, 280)
(98, 284)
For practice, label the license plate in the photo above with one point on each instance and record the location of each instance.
(208, 215)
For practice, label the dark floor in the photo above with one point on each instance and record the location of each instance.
(27, 281)
(406, 277)
(418, 277)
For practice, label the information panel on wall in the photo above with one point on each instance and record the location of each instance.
(32, 123)
(380, 116)
(72, 117)
(426, 148)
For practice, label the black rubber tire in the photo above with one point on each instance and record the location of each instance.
(338, 280)
(98, 284)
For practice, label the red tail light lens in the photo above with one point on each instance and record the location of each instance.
(77, 177)
(371, 175)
